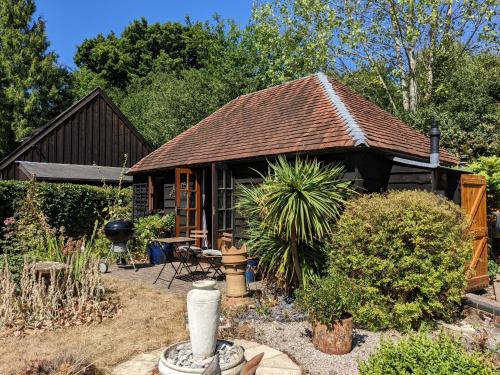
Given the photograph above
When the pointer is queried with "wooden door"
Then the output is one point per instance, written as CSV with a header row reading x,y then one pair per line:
x,y
187,201
473,188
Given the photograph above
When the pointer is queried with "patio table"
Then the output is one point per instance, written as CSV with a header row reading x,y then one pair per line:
x,y
184,256
214,260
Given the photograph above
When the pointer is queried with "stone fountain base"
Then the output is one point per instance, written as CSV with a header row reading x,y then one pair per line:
x,y
178,359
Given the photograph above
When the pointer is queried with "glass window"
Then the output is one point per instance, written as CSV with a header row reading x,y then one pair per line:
x,y
224,200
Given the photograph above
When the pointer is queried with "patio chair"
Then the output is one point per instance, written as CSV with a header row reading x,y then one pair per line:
x,y
197,234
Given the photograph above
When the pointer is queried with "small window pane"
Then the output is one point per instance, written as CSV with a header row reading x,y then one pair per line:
x,y
229,219
229,180
183,197
220,198
192,180
220,178
220,219
183,181
192,217
192,200
182,215
229,199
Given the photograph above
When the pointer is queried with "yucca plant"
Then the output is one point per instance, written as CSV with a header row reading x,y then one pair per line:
x,y
290,212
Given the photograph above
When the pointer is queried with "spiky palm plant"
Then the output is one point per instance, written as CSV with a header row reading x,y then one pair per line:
x,y
290,212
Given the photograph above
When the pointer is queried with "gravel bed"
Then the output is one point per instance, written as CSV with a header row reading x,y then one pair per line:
x,y
294,339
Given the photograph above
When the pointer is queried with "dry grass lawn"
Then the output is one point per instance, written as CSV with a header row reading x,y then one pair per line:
x,y
148,320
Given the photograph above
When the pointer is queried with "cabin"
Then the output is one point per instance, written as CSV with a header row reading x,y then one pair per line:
x,y
88,143
196,175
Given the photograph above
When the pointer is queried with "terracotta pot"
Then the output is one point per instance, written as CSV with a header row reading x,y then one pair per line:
x,y
336,339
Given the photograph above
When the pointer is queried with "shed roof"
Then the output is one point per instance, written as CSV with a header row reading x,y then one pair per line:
x,y
71,172
41,132
308,114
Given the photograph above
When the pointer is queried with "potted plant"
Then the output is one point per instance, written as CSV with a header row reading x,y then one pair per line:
x,y
329,303
148,228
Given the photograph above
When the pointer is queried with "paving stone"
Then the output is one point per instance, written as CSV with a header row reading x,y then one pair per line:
x,y
273,363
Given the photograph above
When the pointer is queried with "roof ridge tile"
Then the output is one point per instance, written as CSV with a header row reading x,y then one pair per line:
x,y
353,127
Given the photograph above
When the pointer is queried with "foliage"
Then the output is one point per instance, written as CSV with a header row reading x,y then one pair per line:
x,y
465,102
74,207
331,298
295,207
65,300
407,250
408,39
489,167
292,38
420,354
167,101
493,269
33,87
152,226
142,47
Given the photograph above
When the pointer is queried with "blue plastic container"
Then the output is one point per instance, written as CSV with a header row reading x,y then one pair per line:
x,y
156,255
251,270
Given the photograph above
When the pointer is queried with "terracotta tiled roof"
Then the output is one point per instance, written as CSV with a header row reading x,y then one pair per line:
x,y
307,114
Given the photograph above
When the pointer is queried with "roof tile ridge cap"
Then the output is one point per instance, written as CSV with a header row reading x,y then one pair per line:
x,y
353,128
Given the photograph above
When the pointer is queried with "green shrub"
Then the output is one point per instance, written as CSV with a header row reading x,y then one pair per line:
x,y
407,250
489,167
420,354
152,226
329,299
74,207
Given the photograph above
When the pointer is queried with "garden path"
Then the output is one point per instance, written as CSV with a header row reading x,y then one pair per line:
x,y
147,274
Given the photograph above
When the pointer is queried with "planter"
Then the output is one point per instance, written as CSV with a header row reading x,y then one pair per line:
x,y
156,254
336,339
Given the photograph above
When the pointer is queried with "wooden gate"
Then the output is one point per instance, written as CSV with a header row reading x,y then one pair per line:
x,y
473,188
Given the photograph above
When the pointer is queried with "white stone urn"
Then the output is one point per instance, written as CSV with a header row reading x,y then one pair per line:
x,y
203,305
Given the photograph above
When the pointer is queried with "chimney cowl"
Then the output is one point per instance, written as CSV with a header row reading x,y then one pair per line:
x,y
435,135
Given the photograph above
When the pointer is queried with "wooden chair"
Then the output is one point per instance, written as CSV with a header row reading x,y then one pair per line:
x,y
197,234
226,239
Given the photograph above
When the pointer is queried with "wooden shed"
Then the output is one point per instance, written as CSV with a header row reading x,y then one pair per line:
x,y
196,174
86,143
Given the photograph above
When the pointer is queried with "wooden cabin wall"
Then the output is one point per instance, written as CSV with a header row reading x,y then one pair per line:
x,y
96,134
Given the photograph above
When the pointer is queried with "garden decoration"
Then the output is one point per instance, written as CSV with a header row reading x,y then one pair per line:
x,y
118,232
234,261
196,355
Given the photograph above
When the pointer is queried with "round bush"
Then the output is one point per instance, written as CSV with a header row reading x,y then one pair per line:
x,y
420,354
407,250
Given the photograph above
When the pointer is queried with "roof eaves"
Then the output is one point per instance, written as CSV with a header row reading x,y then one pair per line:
x,y
353,128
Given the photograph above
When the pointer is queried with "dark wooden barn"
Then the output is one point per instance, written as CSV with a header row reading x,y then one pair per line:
x,y
87,143
197,174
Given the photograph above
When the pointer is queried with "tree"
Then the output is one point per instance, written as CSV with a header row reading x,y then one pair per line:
x,y
292,38
144,47
295,207
167,101
406,36
33,87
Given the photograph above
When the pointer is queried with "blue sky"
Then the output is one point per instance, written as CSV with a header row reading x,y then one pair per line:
x,y
70,22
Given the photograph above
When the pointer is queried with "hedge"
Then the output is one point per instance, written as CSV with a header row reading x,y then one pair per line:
x,y
74,207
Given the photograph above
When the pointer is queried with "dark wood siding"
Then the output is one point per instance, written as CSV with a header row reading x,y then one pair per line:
x,y
95,134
